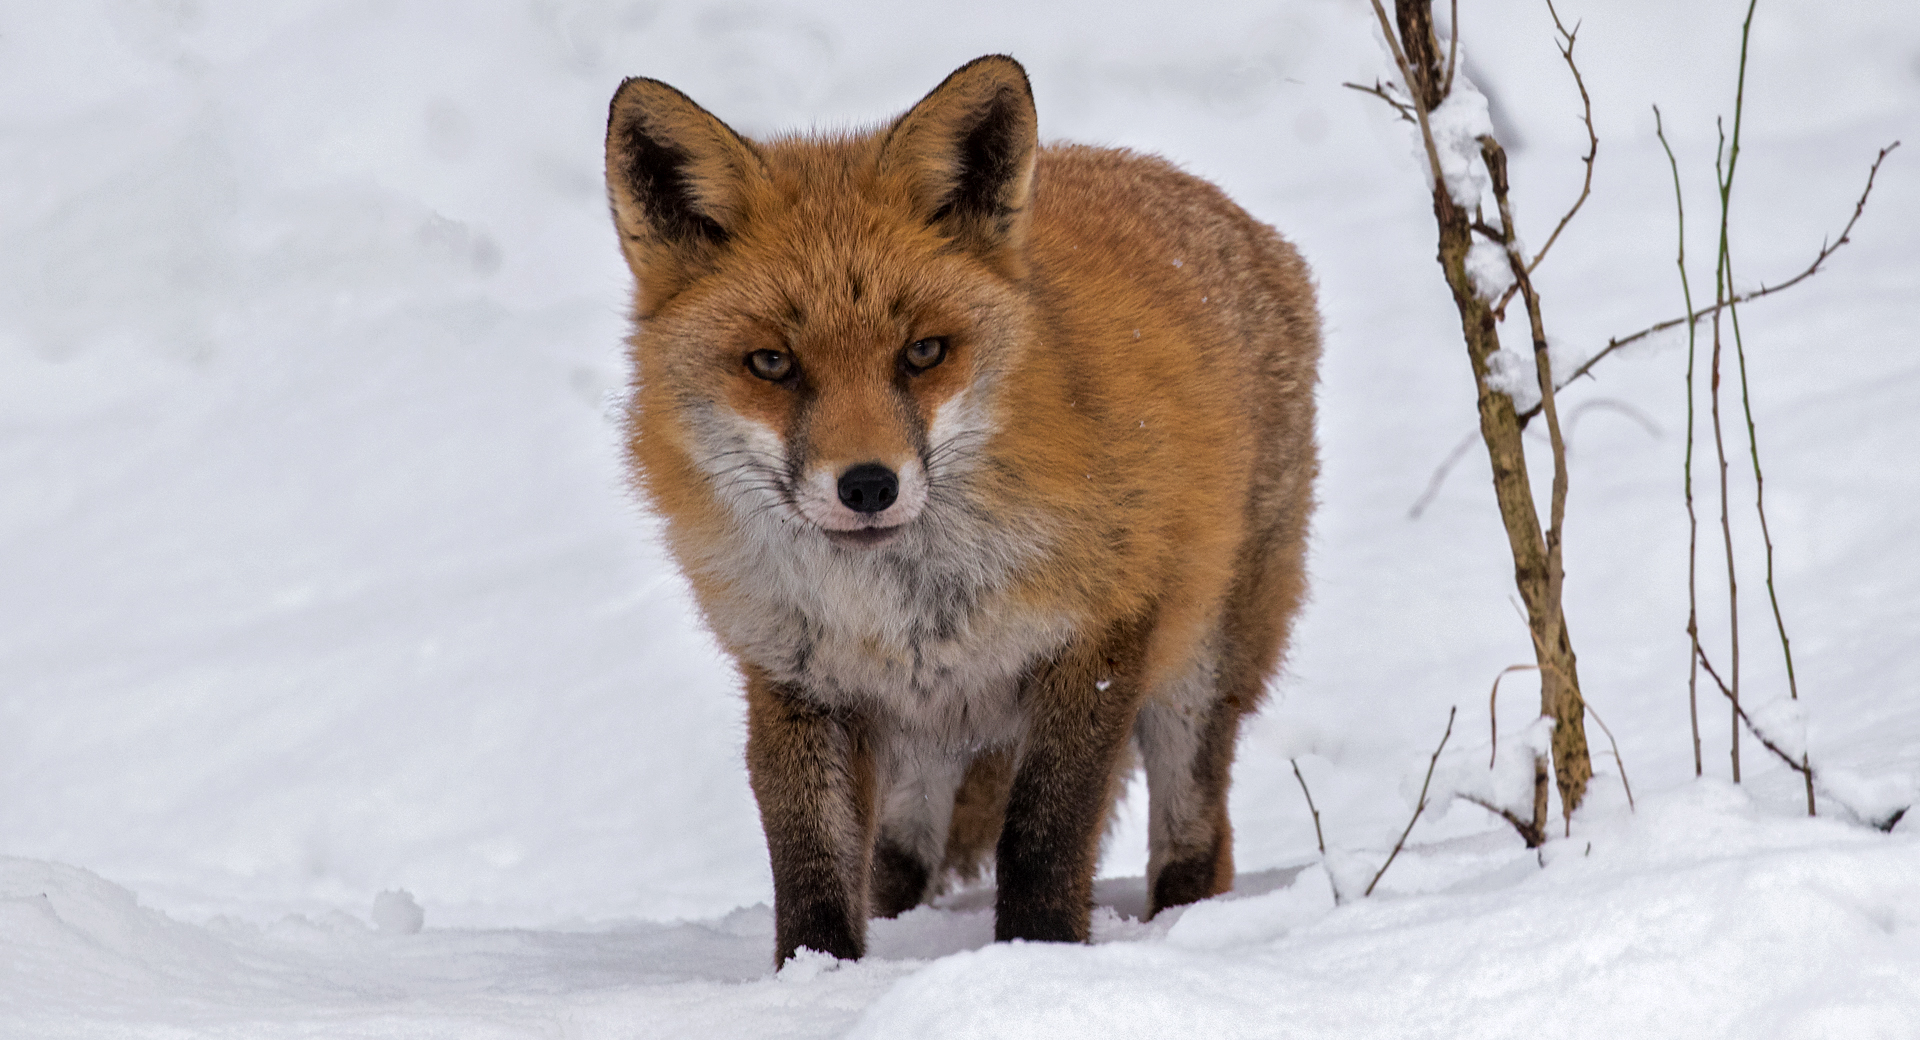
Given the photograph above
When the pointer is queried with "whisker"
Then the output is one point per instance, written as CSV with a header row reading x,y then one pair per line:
x,y
754,479
769,459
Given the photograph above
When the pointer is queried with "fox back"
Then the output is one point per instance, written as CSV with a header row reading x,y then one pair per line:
x,y
985,460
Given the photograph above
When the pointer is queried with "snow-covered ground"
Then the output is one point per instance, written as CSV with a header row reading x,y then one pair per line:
x,y
319,581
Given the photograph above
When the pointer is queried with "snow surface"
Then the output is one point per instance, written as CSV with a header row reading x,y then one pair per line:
x,y
344,692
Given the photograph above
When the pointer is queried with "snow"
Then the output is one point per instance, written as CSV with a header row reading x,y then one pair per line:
x,y
1783,722
1489,268
344,691
1639,922
1514,372
395,911
1498,775
1799,906
1457,125
1879,800
1511,370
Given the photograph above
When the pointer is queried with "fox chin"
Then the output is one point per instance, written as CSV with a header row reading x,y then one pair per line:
x,y
990,465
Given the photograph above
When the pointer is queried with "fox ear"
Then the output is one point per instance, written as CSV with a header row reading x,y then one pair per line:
x,y
967,152
678,180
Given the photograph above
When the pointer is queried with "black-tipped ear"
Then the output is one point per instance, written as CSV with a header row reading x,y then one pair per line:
x,y
968,150
678,179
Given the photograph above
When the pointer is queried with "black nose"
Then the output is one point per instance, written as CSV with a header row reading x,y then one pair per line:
x,y
868,488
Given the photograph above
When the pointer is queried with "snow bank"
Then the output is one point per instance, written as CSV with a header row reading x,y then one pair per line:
x,y
1701,916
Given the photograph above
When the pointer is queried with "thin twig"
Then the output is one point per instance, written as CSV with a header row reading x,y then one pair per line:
x,y
1693,520
1802,766
1617,760
1318,837
1615,405
1493,700
1440,474
1593,149
1760,507
1530,831
1549,666
1453,45
1419,106
1418,808
1723,288
1380,91
1713,673
1445,468
1827,249
1753,435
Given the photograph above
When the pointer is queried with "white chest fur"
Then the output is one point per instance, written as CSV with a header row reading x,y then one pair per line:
x,y
923,631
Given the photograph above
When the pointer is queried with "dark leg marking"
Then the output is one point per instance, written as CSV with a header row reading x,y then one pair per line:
x,y
813,776
899,880
1063,786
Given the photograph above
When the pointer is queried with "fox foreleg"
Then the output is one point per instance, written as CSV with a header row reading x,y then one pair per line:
x,y
812,773
1080,711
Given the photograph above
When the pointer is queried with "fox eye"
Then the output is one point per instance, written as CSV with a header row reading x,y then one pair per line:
x,y
771,365
923,354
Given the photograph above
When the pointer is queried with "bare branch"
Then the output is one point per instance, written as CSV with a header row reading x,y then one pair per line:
x,y
1802,766
1445,468
1617,760
1568,38
1440,475
1618,407
1489,232
1416,52
1753,435
1493,700
1827,249
1693,518
1317,835
1533,832
1562,700
1453,45
1380,91
1711,674
1419,807
1419,109
1530,831
1723,288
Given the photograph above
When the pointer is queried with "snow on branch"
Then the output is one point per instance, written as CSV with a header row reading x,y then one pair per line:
x,y
1781,728
1511,785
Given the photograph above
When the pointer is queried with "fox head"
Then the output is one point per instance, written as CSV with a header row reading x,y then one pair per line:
x,y
821,321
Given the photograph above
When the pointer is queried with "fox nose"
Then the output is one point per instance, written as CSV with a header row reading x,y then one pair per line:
x,y
868,488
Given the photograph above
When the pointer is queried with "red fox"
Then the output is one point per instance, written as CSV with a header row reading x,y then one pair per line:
x,y
985,460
